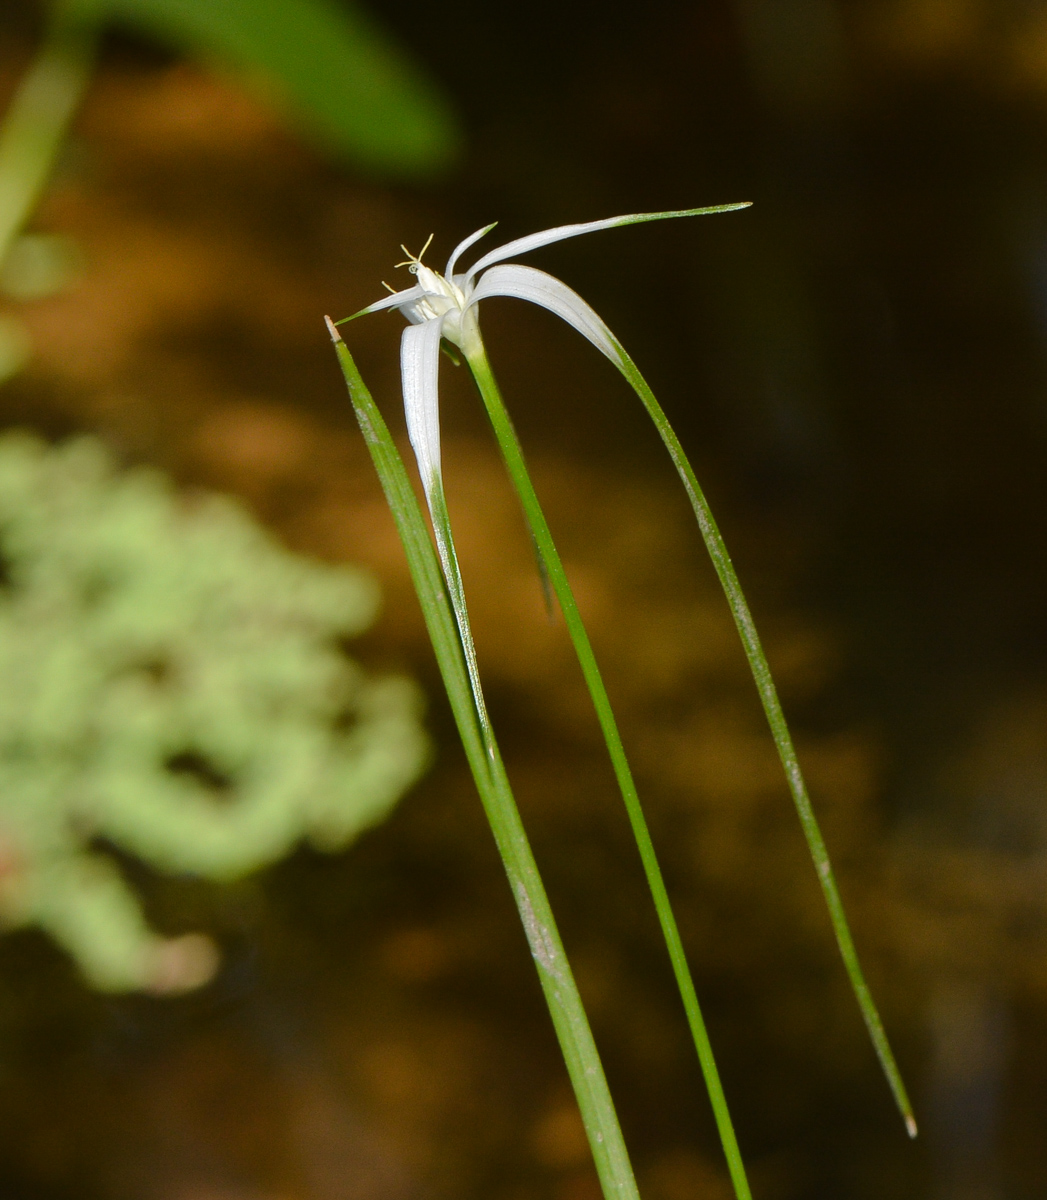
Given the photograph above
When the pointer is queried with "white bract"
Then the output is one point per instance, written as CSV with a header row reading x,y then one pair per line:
x,y
445,306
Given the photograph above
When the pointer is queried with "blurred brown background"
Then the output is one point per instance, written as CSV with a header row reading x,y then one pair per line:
x,y
858,365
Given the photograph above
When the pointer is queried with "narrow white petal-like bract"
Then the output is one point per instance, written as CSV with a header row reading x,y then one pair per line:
x,y
547,236
407,296
420,369
528,283
464,245
445,306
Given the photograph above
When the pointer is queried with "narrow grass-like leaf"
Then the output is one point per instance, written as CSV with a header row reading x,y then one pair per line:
x,y
537,287
554,972
550,561
449,306
772,707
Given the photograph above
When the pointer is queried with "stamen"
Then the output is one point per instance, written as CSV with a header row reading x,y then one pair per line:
x,y
414,261
388,288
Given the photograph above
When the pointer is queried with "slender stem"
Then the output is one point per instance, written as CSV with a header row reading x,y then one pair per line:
x,y
772,707
551,562
444,626
37,120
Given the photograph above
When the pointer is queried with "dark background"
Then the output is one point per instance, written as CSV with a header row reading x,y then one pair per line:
x,y
857,364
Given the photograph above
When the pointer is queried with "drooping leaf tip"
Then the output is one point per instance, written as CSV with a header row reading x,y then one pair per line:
x,y
722,208
710,209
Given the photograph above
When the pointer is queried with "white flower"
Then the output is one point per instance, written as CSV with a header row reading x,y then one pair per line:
x,y
445,306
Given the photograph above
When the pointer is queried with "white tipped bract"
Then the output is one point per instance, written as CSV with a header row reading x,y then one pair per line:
x,y
445,307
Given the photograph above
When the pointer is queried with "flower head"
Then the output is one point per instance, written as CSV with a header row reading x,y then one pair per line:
x,y
444,306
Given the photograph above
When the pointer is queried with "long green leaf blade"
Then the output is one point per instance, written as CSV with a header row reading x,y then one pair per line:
x,y
561,993
550,560
772,707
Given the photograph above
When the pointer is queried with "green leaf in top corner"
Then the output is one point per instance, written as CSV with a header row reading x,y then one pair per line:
x,y
345,81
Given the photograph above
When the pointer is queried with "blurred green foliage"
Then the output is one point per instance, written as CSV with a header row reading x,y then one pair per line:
x,y
325,61
330,68
174,684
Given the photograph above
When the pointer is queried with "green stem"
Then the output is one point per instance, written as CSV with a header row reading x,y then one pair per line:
x,y
445,626
37,120
550,560
772,707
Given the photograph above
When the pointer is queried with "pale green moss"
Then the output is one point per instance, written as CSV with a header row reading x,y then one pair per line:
x,y
171,680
